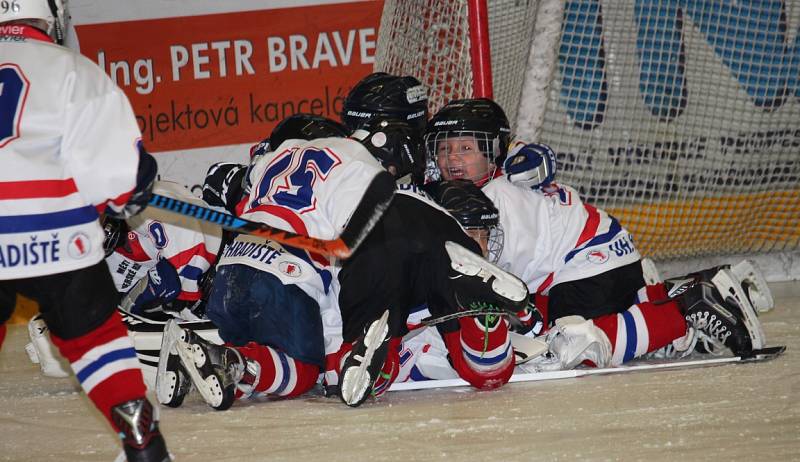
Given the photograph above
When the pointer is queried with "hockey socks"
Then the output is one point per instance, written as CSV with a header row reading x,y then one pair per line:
x,y
644,327
481,351
277,373
105,364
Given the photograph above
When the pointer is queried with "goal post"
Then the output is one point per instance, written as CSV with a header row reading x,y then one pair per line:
x,y
682,119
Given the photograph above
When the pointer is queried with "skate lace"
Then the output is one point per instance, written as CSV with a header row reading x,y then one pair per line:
x,y
711,330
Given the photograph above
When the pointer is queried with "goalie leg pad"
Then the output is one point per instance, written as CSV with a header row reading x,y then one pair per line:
x,y
507,290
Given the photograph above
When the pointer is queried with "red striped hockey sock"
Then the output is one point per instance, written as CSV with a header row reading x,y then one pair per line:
x,y
643,328
105,364
280,374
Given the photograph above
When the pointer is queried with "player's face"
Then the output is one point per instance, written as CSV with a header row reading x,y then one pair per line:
x,y
461,157
481,236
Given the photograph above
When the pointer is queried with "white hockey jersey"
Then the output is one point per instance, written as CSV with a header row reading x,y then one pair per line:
x,y
552,237
189,245
306,187
67,151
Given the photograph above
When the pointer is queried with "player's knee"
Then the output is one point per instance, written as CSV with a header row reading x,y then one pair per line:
x,y
87,302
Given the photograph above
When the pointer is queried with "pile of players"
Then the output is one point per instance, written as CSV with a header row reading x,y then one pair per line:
x,y
478,235
456,222
464,189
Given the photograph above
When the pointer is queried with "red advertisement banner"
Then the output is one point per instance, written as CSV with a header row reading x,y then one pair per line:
x,y
223,79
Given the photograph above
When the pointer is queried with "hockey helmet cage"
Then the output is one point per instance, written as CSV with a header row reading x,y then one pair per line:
x,y
397,145
481,117
53,12
301,127
385,96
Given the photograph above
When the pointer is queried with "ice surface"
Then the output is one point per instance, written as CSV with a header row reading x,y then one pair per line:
x,y
735,412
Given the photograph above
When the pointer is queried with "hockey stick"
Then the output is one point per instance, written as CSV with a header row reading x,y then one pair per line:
x,y
763,354
373,203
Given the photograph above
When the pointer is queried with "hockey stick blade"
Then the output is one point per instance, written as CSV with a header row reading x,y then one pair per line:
x,y
335,247
763,354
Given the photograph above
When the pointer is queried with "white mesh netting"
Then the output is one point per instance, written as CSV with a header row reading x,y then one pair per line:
x,y
681,118
430,40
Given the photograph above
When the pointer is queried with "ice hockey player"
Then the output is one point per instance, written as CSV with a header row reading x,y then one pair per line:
x,y
68,140
580,262
159,265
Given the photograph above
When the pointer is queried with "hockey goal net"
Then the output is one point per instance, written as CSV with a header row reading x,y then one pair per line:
x,y
681,118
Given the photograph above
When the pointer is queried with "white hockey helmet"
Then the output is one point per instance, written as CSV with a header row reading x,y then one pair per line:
x,y
53,12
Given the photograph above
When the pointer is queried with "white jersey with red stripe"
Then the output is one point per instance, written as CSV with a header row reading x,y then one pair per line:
x,y
551,236
191,247
68,150
306,187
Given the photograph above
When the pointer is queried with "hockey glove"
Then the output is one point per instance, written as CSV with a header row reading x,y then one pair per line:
x,y
224,185
160,286
531,166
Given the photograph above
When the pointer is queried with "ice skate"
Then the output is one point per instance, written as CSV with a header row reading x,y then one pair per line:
x,y
722,316
474,275
744,278
137,421
214,370
172,379
363,365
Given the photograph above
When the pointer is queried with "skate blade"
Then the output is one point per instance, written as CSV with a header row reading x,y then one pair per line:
x,y
168,340
728,286
761,297
356,382
209,388
504,284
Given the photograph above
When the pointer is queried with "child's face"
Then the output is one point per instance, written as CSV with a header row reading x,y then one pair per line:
x,y
461,157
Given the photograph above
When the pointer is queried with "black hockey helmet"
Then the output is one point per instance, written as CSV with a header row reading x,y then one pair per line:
x,y
116,233
396,144
481,117
303,127
465,201
381,95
